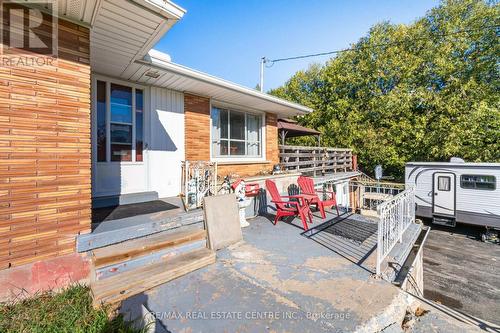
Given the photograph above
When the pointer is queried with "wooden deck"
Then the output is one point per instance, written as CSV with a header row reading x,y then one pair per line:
x,y
315,161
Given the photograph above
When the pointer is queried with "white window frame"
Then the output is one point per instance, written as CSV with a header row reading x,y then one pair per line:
x,y
108,81
239,158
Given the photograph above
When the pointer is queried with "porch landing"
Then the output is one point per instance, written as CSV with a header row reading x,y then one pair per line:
x,y
126,222
115,217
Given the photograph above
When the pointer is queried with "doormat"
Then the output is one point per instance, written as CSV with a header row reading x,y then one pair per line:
x,y
123,211
354,230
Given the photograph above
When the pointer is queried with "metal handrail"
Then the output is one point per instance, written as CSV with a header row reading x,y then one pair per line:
x,y
395,215
368,195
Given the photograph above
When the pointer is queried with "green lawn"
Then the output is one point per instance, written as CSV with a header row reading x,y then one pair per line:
x,y
67,311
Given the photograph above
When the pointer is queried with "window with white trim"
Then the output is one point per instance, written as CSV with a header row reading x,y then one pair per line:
x,y
236,134
120,118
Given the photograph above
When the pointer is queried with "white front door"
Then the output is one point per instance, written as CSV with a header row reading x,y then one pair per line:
x,y
443,194
119,156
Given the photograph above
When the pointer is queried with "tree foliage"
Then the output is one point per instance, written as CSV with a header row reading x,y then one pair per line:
x,y
420,92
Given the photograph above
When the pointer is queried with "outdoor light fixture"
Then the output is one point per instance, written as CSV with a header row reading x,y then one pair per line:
x,y
152,74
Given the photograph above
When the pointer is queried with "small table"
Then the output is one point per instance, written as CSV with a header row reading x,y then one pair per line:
x,y
308,197
307,200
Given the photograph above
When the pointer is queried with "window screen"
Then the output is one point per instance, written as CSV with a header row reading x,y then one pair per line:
x,y
101,121
139,125
120,123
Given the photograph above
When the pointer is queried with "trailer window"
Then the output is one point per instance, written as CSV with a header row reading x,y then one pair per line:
x,y
443,183
478,182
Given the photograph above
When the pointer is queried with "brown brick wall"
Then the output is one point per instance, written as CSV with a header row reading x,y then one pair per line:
x,y
197,129
45,151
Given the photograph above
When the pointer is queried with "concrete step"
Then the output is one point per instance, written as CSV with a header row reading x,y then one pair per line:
x,y
127,256
143,246
117,288
121,230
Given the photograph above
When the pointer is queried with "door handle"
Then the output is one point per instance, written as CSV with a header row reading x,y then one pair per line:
x,y
435,193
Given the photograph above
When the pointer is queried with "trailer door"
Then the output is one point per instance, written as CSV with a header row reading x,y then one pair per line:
x,y
443,203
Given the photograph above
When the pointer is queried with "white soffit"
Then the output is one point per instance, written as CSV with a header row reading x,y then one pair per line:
x,y
177,77
121,31
80,11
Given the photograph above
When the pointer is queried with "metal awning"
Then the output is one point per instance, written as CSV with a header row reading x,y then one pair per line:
x,y
288,128
293,129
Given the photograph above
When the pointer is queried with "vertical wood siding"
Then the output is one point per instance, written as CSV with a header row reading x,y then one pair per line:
x,y
45,194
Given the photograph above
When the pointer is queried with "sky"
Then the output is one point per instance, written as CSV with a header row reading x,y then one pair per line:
x,y
227,38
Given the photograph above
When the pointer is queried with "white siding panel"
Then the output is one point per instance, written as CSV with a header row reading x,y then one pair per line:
x,y
166,143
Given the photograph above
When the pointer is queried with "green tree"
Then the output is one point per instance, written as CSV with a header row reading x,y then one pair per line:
x,y
420,92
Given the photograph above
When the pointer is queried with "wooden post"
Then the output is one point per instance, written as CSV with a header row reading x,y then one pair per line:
x,y
314,162
297,159
323,158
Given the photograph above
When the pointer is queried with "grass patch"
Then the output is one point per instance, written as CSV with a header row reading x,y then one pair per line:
x,y
67,311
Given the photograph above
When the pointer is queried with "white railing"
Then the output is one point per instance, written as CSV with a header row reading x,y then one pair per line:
x,y
368,195
199,179
395,216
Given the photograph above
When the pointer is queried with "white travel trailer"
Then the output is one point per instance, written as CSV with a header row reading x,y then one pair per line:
x,y
451,192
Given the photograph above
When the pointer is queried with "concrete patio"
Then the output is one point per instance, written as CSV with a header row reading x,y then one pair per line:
x,y
278,280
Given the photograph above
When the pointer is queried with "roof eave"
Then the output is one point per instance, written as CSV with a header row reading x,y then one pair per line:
x,y
153,59
164,7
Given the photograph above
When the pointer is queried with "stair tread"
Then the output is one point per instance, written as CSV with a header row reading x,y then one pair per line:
x,y
136,247
129,283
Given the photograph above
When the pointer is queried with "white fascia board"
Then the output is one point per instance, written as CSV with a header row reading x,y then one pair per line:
x,y
157,59
163,7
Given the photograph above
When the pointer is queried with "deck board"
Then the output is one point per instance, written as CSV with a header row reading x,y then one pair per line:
x,y
122,286
138,247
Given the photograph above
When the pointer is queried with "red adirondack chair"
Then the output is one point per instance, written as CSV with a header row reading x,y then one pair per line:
x,y
288,208
306,185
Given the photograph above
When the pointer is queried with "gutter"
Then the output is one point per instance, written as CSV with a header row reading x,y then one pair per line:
x,y
166,8
152,60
